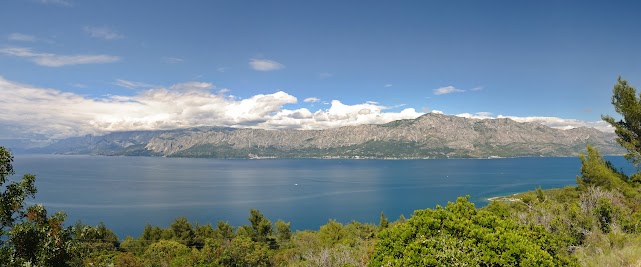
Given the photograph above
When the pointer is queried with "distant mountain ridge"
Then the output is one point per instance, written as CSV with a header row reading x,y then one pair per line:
x,y
428,136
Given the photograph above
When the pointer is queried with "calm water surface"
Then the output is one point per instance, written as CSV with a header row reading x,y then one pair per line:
x,y
128,192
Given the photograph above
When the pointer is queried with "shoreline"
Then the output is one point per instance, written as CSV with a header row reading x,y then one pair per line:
x,y
506,198
255,157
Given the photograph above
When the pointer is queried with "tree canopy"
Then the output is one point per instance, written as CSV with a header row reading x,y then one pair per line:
x,y
628,129
28,235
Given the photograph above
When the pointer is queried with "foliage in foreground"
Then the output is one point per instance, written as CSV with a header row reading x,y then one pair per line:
x,y
460,235
27,234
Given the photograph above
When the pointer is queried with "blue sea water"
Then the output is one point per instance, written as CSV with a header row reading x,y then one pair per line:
x,y
128,192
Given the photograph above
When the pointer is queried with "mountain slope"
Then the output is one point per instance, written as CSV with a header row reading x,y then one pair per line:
x,y
431,135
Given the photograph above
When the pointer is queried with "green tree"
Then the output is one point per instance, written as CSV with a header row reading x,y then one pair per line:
x,y
540,195
182,231
14,194
261,227
628,130
383,222
202,233
283,233
127,259
29,236
94,242
332,233
605,213
163,252
132,245
42,241
150,234
244,252
99,236
596,171
224,230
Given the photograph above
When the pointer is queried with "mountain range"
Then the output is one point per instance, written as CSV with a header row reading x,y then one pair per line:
x,y
428,136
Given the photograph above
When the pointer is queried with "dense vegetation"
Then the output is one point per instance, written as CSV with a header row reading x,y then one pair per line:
x,y
596,223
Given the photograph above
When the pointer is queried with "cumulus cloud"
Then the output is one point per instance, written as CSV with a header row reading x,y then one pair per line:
x,y
58,114
54,60
447,90
21,37
311,100
30,110
265,65
337,115
104,33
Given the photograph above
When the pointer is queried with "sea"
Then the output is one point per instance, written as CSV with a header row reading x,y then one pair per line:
x,y
126,193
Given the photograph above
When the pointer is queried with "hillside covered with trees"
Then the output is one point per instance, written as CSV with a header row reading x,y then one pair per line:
x,y
595,223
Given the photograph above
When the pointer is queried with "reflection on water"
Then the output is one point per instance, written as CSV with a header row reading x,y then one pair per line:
x,y
127,192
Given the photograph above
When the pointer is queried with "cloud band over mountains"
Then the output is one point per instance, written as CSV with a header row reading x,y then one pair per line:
x,y
27,110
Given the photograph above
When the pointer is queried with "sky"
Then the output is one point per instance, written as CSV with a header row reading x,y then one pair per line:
x,y
71,67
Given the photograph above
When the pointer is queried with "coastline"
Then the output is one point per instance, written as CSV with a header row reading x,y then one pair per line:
x,y
256,157
507,198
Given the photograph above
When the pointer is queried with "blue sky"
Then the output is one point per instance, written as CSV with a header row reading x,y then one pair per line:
x,y
123,65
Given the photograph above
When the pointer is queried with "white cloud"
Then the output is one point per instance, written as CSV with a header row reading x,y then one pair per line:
x,y
132,84
104,33
484,113
388,85
265,65
57,114
54,60
22,37
478,88
31,110
477,115
337,115
311,100
56,2
437,112
447,90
